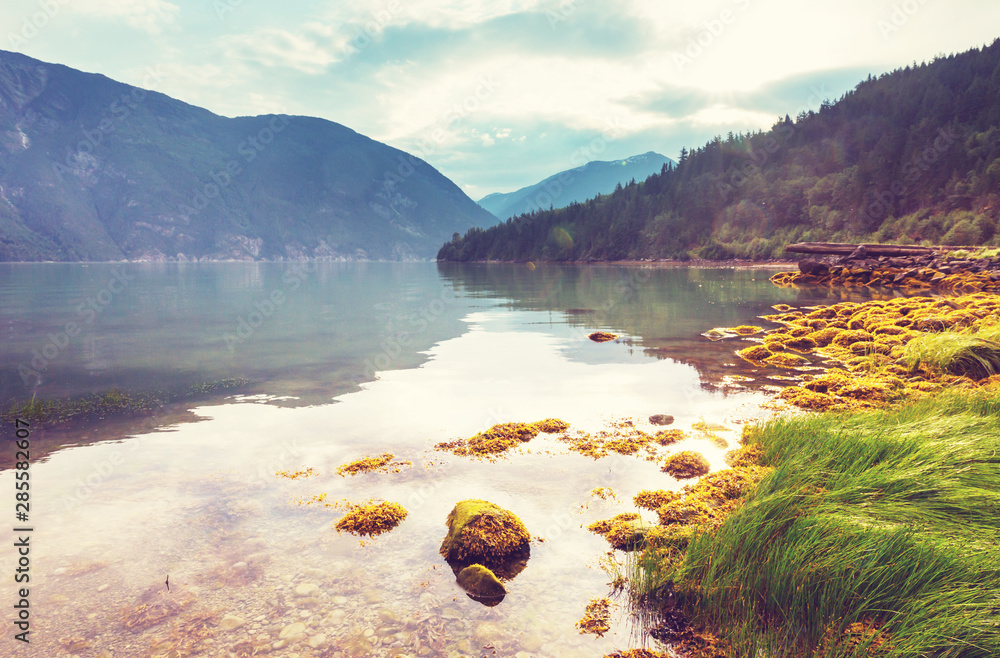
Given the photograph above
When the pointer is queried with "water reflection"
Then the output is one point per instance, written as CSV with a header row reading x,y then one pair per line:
x,y
201,502
412,355
312,330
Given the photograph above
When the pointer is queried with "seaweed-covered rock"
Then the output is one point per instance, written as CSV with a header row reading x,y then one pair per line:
x,y
372,518
481,584
478,531
625,532
661,419
629,535
686,464
551,425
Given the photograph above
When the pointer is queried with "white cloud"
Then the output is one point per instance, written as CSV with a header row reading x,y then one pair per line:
x,y
734,117
147,15
402,88
278,48
450,14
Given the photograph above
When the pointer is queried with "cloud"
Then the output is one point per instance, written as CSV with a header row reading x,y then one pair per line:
x,y
147,15
501,93
444,14
278,48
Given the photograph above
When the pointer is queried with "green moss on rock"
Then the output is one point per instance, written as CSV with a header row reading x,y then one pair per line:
x,y
480,530
481,583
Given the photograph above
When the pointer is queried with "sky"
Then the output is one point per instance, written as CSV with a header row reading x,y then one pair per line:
x,y
499,94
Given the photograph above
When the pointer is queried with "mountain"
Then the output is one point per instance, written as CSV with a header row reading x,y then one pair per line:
x,y
93,170
578,184
910,156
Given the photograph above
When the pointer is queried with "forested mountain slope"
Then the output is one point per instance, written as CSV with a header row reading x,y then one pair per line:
x,y
910,156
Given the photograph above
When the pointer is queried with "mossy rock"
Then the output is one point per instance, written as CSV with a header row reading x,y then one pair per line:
x,y
754,353
685,465
625,532
479,531
481,584
629,535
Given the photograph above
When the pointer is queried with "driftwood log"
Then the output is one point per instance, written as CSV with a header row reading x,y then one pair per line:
x,y
846,249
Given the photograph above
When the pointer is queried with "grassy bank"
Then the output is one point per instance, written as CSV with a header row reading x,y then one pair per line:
x,y
875,534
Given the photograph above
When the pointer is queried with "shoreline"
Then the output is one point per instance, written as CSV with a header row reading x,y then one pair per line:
x,y
709,545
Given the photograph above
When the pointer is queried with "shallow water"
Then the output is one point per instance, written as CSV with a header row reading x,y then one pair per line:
x,y
361,359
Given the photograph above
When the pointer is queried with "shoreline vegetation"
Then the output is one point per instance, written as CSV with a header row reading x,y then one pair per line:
x,y
869,527
86,410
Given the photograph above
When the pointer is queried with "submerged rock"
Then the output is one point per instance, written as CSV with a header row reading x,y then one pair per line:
x,y
478,530
481,584
602,336
661,419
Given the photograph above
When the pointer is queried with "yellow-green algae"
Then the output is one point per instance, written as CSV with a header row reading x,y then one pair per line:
x,y
623,438
746,330
295,475
653,500
379,463
685,465
551,426
878,353
596,619
604,493
910,279
481,530
625,532
372,518
501,438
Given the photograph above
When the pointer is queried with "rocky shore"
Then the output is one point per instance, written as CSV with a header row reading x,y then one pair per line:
x,y
937,270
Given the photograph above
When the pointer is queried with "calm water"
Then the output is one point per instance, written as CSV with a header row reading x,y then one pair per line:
x,y
347,360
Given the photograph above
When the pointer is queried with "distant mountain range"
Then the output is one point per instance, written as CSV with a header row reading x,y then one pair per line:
x,y
911,156
95,170
578,184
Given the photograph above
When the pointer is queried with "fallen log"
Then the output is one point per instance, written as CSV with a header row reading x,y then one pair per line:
x,y
846,249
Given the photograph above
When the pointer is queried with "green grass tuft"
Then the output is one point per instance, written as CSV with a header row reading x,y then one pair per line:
x,y
887,521
974,354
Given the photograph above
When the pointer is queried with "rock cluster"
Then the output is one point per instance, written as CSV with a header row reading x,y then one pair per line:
x,y
931,270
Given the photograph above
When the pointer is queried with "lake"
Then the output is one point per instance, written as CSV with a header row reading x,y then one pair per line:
x,y
344,361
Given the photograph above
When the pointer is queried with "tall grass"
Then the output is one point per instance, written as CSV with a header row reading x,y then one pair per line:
x,y
887,520
976,355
